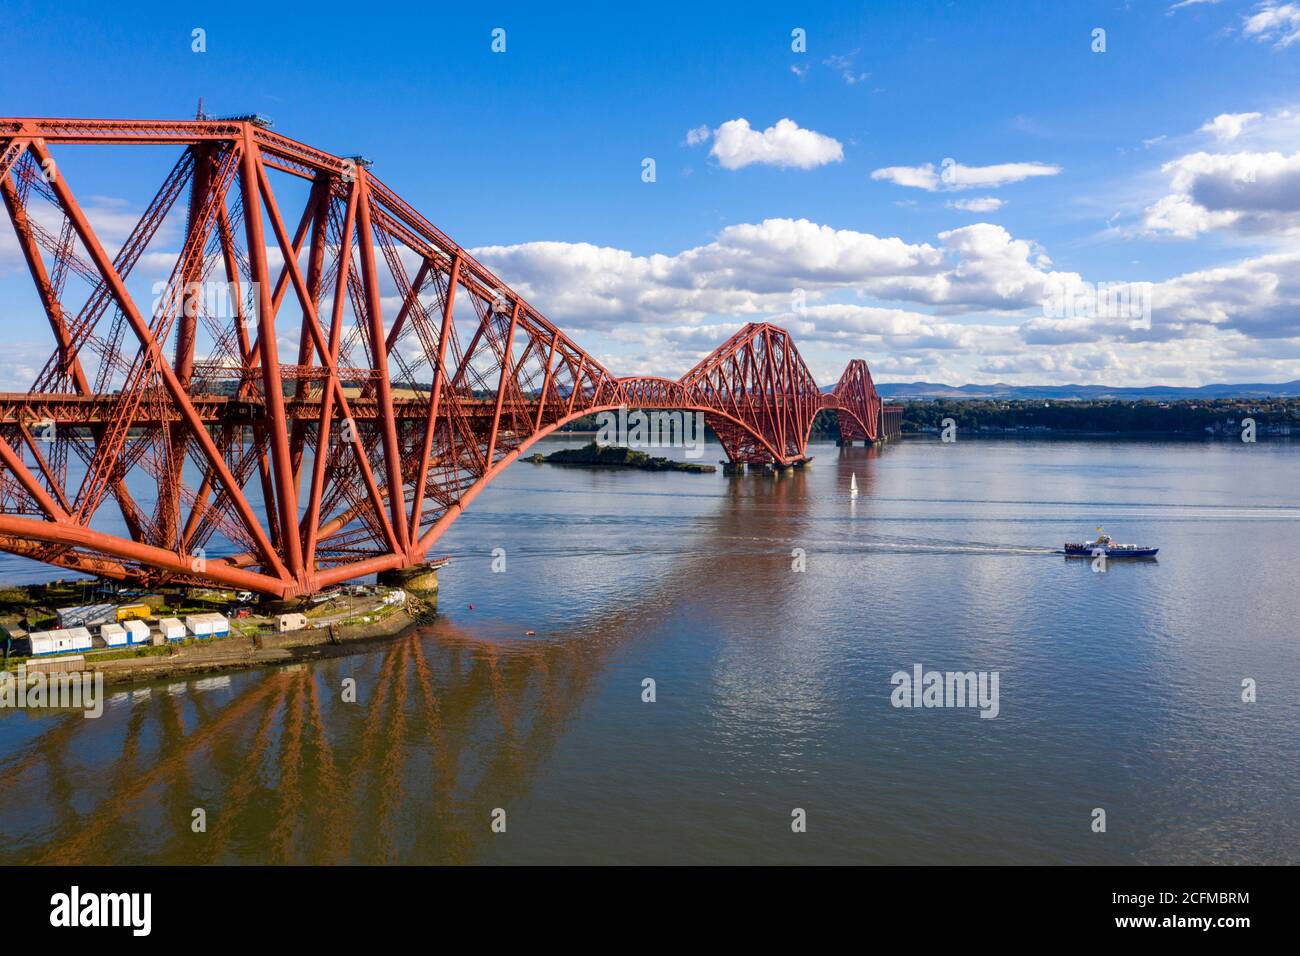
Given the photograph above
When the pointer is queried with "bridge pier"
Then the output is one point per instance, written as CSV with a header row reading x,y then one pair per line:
x,y
420,579
733,468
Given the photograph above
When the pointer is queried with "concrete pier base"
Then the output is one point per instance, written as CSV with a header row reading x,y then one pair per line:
x,y
761,468
728,468
273,606
421,579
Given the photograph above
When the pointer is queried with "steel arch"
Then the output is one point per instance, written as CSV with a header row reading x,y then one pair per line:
x,y
179,440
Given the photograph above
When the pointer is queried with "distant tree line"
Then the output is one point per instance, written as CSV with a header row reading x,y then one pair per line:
x,y
1188,417
1150,417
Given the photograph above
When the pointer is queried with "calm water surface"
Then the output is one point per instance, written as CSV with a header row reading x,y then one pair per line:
x,y
1119,690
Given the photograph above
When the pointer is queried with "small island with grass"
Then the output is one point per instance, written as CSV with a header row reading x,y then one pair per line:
x,y
594,455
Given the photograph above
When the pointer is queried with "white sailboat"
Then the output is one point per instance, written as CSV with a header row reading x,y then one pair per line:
x,y
853,485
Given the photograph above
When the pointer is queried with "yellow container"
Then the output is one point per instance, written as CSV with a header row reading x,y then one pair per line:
x,y
133,612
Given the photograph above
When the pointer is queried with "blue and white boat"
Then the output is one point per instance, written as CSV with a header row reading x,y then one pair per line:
x,y
1106,545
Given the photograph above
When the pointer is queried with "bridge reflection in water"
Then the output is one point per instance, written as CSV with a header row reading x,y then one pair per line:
x,y
448,726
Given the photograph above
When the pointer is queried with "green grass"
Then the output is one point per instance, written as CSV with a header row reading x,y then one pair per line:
x,y
149,650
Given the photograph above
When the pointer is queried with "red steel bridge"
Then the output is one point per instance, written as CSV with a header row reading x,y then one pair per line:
x,y
354,383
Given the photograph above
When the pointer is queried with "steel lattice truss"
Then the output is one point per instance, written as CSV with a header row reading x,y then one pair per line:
x,y
357,382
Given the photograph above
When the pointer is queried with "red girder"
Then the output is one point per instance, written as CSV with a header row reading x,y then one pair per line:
x,y
352,456
858,403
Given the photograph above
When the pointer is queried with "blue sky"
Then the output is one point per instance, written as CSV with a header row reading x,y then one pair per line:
x,y
1075,167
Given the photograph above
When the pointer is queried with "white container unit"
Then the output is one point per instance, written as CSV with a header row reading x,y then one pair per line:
x,y
200,625
210,624
60,641
137,632
43,642
113,635
172,629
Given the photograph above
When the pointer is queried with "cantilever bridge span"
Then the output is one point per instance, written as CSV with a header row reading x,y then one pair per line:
x,y
354,382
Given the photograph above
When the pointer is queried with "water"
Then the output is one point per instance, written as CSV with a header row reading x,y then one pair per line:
x,y
1119,690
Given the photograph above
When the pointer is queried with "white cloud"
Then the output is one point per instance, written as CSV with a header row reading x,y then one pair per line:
x,y
699,134
748,269
785,144
954,176
918,177
1278,23
969,307
1249,192
754,267
1179,216
1228,126
844,66
1189,3
987,268
979,204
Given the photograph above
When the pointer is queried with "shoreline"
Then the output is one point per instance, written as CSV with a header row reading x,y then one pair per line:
x,y
239,653
238,650
1100,436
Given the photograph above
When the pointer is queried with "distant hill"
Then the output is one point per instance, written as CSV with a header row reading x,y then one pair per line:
x,y
905,391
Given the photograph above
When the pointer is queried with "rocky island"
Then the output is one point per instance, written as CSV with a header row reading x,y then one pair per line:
x,y
594,455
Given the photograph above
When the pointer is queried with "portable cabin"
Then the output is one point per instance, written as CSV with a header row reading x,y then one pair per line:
x,y
172,629
199,625
59,641
80,638
292,622
113,635
130,612
210,624
43,642
137,632
86,615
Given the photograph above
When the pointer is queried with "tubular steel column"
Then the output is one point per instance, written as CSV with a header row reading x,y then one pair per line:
x,y
277,421
379,354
